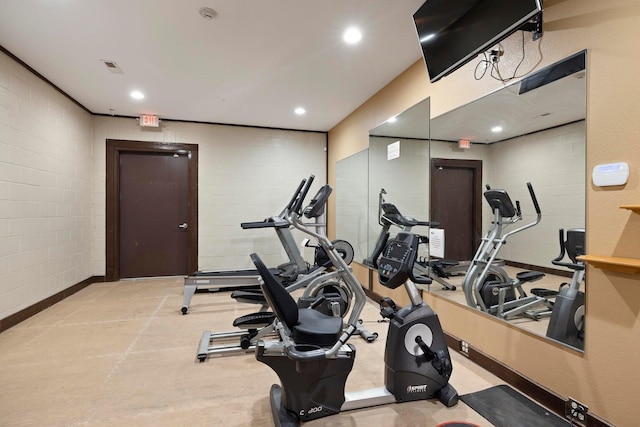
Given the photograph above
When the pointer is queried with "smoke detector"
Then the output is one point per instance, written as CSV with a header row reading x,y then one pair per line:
x,y
208,13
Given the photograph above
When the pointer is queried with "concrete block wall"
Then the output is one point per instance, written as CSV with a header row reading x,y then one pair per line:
x,y
45,189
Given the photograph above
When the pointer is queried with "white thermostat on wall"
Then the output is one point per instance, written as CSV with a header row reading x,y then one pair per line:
x,y
610,174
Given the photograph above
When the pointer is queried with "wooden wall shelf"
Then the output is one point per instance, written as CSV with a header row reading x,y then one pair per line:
x,y
634,208
612,263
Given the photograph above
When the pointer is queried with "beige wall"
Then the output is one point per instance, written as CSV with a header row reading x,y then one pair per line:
x,y
606,376
45,182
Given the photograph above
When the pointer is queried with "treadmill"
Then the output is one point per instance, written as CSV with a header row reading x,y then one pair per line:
x,y
233,279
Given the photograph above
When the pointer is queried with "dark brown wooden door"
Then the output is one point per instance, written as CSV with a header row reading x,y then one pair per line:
x,y
153,214
456,192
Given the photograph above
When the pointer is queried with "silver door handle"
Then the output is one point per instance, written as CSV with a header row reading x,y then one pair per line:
x,y
184,226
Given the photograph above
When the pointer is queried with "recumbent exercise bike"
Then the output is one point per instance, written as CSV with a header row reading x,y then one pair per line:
x,y
313,360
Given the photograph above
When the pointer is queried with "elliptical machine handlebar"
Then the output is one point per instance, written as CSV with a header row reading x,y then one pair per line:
x,y
297,207
294,198
380,203
336,260
534,199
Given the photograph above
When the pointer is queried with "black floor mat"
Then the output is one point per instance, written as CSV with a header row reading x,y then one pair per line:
x,y
503,406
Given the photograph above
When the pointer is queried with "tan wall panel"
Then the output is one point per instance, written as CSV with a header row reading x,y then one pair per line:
x,y
363,274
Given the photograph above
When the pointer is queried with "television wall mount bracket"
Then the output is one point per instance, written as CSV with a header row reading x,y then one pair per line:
x,y
534,26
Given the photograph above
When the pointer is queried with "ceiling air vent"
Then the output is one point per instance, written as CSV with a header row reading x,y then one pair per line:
x,y
112,66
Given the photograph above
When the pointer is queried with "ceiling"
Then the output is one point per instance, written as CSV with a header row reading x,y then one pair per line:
x,y
252,64
553,104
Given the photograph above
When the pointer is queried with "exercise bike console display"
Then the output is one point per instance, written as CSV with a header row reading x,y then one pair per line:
x,y
394,266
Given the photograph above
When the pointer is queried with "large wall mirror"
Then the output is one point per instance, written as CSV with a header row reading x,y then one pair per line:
x,y
532,131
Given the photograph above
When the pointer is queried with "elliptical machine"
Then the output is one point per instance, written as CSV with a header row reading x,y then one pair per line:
x,y
567,317
297,272
324,291
312,357
486,284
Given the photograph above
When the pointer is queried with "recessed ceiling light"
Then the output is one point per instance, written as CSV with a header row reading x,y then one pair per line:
x,y
352,35
136,94
300,111
496,129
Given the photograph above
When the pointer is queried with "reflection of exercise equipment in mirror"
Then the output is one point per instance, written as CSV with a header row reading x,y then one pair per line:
x,y
388,215
487,285
324,291
567,318
313,360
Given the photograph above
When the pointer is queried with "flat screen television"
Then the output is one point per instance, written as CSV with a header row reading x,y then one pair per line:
x,y
453,32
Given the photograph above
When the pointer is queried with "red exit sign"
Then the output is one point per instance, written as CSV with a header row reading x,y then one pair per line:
x,y
149,120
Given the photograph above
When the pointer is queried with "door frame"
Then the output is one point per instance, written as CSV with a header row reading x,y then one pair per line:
x,y
113,149
476,168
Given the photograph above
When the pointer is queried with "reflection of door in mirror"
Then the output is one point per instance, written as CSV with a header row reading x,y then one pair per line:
x,y
531,131
456,200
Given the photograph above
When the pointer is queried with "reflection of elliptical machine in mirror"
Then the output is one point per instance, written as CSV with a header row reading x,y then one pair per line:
x,y
487,285
437,269
567,318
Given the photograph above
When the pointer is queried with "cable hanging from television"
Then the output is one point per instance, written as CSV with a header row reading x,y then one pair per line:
x,y
451,37
491,62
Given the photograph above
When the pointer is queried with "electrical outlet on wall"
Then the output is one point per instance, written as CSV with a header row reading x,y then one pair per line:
x,y
576,411
464,348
